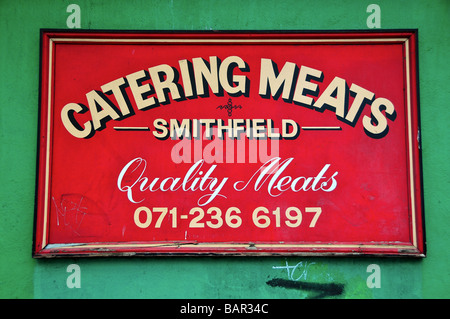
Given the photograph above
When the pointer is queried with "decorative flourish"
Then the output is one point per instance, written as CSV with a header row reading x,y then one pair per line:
x,y
229,107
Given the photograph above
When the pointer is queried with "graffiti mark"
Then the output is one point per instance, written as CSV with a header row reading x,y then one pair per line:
x,y
320,290
300,267
300,272
70,211
80,216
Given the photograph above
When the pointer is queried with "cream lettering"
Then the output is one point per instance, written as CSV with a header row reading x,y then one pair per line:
x,y
273,172
132,179
161,84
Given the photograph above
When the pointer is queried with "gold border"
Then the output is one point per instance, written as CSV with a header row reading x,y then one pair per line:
x,y
404,40
230,40
410,143
225,245
47,151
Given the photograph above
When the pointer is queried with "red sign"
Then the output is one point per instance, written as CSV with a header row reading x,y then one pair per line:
x,y
229,143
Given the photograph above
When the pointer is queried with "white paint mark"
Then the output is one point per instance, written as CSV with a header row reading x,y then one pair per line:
x,y
301,266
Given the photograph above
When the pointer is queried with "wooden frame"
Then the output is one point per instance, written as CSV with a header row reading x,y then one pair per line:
x,y
74,80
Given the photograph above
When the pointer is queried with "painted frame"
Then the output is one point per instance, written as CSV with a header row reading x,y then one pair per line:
x,y
362,85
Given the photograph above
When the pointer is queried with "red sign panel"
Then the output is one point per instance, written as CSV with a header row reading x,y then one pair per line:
x,y
229,143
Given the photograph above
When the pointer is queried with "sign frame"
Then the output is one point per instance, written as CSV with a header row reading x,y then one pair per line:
x,y
44,247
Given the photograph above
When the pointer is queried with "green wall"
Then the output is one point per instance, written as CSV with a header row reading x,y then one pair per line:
x,y
222,277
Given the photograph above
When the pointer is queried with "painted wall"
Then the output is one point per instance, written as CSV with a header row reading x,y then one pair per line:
x,y
207,277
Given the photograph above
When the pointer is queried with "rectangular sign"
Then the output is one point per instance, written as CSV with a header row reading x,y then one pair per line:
x,y
237,143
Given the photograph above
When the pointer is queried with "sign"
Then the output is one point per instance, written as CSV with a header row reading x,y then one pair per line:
x,y
229,143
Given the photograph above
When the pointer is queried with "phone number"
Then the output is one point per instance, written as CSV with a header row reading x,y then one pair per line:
x,y
215,218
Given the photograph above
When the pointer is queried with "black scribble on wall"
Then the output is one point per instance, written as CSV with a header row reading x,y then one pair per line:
x,y
321,290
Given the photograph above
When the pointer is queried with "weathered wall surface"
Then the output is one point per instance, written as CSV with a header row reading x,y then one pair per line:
x,y
223,277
